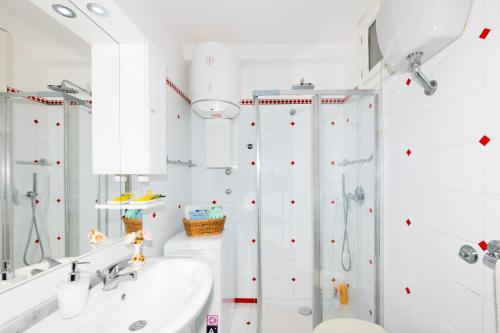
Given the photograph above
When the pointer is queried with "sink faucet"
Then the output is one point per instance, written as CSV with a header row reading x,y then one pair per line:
x,y
6,271
111,276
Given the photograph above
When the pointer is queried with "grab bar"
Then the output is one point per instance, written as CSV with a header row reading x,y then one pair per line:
x,y
41,162
360,161
189,163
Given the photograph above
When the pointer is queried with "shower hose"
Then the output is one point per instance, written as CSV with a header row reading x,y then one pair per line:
x,y
345,256
34,225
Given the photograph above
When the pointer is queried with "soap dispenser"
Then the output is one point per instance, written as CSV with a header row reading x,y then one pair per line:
x,y
72,294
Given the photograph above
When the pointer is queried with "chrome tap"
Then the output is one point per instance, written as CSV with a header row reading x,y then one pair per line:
x,y
111,276
6,271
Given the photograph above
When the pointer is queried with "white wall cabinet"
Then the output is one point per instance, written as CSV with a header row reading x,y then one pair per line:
x,y
142,121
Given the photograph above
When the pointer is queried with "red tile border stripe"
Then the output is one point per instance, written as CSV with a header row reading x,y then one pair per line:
x,y
42,100
245,300
288,101
178,91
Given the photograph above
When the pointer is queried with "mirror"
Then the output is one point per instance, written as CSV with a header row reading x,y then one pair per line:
x,y
49,206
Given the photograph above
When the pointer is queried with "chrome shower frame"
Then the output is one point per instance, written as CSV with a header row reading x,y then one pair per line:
x,y
316,97
6,176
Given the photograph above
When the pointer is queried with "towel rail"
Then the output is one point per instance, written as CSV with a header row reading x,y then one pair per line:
x,y
189,163
346,162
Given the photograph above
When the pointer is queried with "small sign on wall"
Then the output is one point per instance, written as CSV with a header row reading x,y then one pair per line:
x,y
212,323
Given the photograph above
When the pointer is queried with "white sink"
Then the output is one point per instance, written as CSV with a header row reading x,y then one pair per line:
x,y
168,294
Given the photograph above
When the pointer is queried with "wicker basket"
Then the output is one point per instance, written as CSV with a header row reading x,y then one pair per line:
x,y
196,228
132,225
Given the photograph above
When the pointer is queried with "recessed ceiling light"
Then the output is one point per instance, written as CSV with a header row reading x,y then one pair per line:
x,y
97,9
64,11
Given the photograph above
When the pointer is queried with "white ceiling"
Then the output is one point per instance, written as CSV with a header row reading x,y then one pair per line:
x,y
254,21
23,19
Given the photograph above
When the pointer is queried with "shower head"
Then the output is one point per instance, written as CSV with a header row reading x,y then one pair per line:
x,y
303,85
61,88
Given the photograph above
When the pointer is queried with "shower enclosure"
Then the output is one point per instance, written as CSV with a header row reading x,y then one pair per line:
x,y
46,177
318,199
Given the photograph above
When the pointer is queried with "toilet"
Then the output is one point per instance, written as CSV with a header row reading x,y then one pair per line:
x,y
347,325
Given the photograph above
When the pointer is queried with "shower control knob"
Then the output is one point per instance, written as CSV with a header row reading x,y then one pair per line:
x,y
468,254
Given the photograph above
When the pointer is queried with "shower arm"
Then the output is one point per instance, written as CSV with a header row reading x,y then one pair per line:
x,y
415,61
64,82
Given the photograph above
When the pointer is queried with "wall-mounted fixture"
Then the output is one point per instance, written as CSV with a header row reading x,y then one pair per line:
x,y
215,81
410,32
63,10
215,95
97,9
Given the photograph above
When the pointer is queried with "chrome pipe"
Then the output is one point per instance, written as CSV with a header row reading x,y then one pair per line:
x,y
415,61
67,224
259,214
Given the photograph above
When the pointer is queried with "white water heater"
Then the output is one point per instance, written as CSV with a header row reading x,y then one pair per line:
x,y
215,81
405,27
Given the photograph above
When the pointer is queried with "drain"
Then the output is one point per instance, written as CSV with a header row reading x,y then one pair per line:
x,y
137,325
305,311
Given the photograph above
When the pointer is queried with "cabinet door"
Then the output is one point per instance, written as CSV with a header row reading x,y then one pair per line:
x,y
157,113
134,125
106,109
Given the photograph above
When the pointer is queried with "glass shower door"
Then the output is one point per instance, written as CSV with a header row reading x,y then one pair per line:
x,y
318,209
286,214
348,208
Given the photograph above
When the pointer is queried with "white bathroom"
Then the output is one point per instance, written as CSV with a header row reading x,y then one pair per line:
x,y
221,166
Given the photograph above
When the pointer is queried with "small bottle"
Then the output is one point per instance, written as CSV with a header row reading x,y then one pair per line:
x,y
72,294
343,293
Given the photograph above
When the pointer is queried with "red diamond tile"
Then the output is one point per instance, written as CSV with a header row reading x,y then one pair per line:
x,y
332,202
408,152
292,162
35,121
483,245
293,279
37,241
253,202
253,123
332,162
58,237
408,221
154,215
408,291
484,140
333,241
214,202
248,323
485,33
58,162
58,124
292,202
58,200
332,123
408,81
292,123
370,312
293,240
370,210
254,279
253,162
253,240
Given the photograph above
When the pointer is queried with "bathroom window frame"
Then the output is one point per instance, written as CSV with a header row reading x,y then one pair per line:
x,y
368,77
